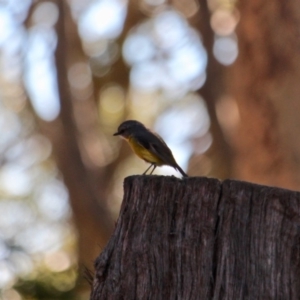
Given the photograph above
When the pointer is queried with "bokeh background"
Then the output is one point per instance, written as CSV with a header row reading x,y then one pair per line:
x,y
217,79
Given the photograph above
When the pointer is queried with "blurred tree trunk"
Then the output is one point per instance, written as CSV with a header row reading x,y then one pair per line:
x,y
199,238
119,74
213,89
265,83
87,193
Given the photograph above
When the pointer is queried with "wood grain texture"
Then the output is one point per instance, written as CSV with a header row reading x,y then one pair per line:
x,y
200,238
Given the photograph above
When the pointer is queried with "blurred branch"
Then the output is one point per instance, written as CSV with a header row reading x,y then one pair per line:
x,y
119,73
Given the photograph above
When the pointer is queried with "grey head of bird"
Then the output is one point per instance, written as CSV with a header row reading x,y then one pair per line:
x,y
127,128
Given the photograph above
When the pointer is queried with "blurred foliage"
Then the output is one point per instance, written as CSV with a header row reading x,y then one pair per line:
x,y
49,286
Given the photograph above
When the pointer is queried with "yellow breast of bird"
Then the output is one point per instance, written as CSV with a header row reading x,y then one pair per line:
x,y
144,153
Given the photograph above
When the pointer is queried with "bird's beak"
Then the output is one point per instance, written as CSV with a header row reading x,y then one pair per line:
x,y
117,133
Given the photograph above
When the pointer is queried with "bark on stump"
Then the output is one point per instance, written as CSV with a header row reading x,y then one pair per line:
x,y
200,238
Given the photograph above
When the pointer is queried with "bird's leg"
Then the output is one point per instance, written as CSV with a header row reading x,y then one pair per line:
x,y
147,169
153,169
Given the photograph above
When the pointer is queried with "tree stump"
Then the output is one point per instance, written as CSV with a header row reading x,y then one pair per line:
x,y
199,238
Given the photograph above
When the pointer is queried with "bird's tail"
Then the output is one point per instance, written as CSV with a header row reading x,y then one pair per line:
x,y
181,171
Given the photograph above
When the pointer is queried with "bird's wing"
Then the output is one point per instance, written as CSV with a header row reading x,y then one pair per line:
x,y
155,144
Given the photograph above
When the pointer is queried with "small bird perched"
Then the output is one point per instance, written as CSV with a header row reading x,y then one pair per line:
x,y
147,145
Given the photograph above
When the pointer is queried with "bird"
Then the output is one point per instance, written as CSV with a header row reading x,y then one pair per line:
x,y
147,145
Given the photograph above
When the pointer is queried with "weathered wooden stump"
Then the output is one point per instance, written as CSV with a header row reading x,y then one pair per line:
x,y
200,238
